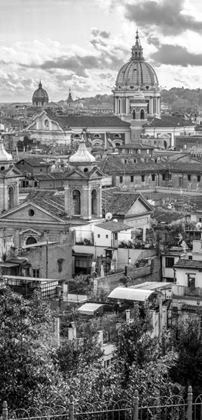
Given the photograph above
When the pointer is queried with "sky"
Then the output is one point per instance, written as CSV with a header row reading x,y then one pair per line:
x,y
81,44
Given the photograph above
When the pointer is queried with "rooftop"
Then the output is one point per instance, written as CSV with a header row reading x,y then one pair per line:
x,y
87,120
194,264
168,121
119,202
114,226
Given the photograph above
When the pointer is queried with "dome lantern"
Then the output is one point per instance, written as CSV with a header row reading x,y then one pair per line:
x,y
137,50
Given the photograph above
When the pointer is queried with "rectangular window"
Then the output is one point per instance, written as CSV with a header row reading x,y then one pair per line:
x,y
164,177
116,236
120,179
191,280
98,235
169,262
153,177
190,257
189,177
131,178
199,178
107,236
143,178
35,272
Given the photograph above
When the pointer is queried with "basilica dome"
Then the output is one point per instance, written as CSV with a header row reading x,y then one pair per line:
x,y
40,96
137,73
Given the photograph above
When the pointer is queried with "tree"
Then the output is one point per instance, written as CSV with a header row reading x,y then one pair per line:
x,y
134,343
187,342
28,374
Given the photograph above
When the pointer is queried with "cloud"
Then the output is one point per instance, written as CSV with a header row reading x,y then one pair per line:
x,y
176,55
167,16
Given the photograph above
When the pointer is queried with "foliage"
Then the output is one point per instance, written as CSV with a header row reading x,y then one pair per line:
x,y
134,342
187,342
81,284
26,348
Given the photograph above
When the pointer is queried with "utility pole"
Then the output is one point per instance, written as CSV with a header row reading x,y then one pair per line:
x,y
46,258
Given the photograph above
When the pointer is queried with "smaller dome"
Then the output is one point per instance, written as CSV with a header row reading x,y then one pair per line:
x,y
40,95
82,155
4,156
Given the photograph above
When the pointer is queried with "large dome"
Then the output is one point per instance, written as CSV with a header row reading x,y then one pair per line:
x,y
137,73
40,96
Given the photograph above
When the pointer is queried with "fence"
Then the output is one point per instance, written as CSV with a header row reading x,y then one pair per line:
x,y
161,408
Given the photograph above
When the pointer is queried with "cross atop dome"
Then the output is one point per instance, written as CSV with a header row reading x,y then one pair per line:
x,y
137,50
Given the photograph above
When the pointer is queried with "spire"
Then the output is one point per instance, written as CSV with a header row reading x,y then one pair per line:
x,y
70,96
137,50
40,85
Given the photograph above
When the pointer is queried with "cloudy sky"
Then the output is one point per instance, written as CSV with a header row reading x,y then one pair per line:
x,y
81,44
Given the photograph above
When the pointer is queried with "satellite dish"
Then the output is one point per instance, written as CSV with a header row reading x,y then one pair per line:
x,y
115,220
198,225
108,216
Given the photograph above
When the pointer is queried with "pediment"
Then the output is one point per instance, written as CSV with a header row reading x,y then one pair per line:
x,y
30,232
30,212
75,174
140,206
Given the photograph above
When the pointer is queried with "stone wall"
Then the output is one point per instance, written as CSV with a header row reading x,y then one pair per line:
x,y
138,275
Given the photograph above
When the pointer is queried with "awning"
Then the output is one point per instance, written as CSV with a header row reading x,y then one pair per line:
x,y
127,293
9,264
90,308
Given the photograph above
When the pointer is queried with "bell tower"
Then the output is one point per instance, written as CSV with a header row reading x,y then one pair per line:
x,y
9,182
138,109
83,186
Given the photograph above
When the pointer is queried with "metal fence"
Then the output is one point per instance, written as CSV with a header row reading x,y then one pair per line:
x,y
162,408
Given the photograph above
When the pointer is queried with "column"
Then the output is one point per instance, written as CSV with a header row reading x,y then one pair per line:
x,y
68,207
144,233
155,106
127,106
151,106
86,202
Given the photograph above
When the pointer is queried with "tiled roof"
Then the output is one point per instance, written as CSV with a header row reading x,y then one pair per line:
x,y
34,161
88,121
50,201
119,203
181,263
114,226
135,146
167,216
192,167
114,165
168,121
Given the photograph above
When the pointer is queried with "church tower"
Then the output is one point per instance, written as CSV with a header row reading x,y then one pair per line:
x,y
138,115
83,186
9,181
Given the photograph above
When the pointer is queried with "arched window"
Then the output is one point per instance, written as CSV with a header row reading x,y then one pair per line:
x,y
97,136
134,114
76,202
117,136
142,114
31,240
94,202
10,198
